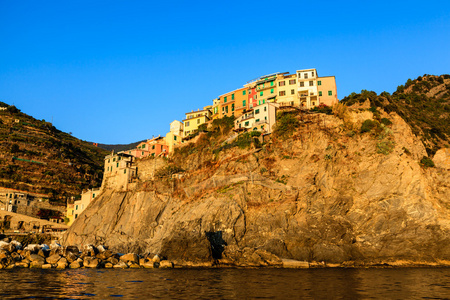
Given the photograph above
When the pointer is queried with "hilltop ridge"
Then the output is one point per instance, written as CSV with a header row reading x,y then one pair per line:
x,y
37,157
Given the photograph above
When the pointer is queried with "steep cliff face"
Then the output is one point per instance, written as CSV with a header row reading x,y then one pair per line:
x,y
326,193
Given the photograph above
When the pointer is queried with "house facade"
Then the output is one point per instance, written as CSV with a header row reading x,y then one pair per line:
x,y
194,119
86,198
260,118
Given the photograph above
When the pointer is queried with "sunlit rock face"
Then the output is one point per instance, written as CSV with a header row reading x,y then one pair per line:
x,y
328,193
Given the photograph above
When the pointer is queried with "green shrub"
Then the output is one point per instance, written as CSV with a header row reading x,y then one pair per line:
x,y
286,125
367,125
385,147
386,121
426,162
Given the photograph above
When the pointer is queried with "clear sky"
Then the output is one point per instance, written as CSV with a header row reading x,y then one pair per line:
x,y
121,71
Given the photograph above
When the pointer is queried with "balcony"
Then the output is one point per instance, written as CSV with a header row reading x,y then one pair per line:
x,y
249,116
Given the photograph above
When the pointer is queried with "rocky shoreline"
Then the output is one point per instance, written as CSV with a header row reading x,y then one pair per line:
x,y
55,256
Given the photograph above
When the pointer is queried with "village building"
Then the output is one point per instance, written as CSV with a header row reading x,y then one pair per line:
x,y
215,109
196,118
260,118
314,90
70,214
158,147
175,135
120,168
86,198
287,90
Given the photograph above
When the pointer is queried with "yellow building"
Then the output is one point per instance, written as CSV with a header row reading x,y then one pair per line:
x,y
70,214
196,118
287,90
175,135
215,109
86,198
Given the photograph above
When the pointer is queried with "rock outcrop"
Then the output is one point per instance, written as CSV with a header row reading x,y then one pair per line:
x,y
326,194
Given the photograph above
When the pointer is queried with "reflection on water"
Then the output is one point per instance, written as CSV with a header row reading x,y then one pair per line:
x,y
408,283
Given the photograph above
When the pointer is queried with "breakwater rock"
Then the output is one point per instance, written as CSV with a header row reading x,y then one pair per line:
x,y
13,255
330,193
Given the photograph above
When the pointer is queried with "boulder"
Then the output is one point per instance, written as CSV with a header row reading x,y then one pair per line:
x,y
75,265
91,262
165,264
22,264
108,265
294,264
148,264
442,158
113,260
71,257
121,265
36,258
133,265
73,249
104,254
130,257
156,258
46,266
53,259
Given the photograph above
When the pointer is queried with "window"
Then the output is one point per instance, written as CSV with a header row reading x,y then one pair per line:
x,y
271,83
243,92
265,108
311,83
256,111
261,93
302,83
312,74
226,109
187,124
292,92
232,97
257,120
306,76
246,123
264,101
281,83
108,160
319,82
292,81
244,103
232,107
142,153
224,99
117,165
330,93
174,137
198,121
314,103
107,169
153,147
114,159
125,171
76,216
282,93
76,207
320,93
271,91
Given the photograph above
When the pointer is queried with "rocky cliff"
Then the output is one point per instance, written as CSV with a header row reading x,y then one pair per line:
x,y
334,190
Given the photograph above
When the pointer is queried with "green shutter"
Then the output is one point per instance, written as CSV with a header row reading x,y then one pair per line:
x,y
271,91
261,93
243,92
330,93
232,97
232,107
244,103
320,93
224,99
319,82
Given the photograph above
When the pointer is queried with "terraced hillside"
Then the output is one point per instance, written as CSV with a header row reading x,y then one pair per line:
x,y
37,157
424,103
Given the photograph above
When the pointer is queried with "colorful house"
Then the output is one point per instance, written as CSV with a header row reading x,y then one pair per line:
x,y
175,135
86,198
196,118
158,146
259,118
314,90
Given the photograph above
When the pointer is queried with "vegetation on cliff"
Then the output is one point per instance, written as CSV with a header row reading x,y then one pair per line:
x,y
424,103
37,157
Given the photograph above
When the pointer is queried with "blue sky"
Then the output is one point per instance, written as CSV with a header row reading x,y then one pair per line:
x,y
121,71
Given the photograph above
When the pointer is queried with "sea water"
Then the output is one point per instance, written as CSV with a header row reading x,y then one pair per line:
x,y
339,283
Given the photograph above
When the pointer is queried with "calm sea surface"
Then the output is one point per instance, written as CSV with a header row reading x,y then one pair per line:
x,y
407,283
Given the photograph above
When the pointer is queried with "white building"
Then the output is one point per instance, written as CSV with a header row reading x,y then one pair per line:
x,y
261,118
